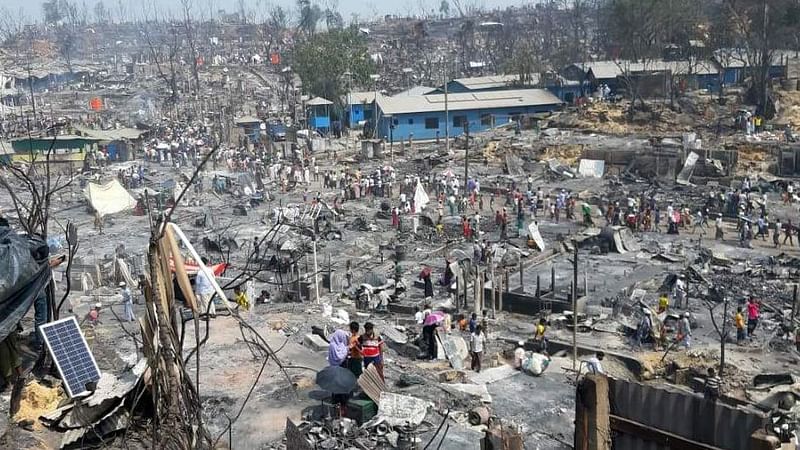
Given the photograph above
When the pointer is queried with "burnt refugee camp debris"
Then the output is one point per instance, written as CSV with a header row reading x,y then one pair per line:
x,y
317,226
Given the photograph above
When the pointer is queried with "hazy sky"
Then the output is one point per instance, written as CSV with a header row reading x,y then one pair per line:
x,y
364,8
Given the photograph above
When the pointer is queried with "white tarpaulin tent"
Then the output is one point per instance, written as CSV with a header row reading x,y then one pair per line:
x,y
533,233
592,168
688,168
109,198
421,198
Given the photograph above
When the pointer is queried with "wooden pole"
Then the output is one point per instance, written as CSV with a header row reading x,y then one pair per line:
x,y
503,286
521,284
494,289
477,288
794,301
316,270
575,306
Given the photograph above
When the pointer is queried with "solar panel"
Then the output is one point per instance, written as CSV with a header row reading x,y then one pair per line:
x,y
74,360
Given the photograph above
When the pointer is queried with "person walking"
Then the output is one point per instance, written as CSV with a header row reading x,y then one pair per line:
x,y
473,323
788,232
738,321
476,344
711,388
204,291
753,314
127,301
539,337
685,331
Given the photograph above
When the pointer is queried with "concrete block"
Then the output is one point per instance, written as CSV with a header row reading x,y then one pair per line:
x,y
315,342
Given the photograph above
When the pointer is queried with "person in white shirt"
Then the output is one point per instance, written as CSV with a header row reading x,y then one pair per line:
x,y
519,355
419,317
593,363
476,343
204,291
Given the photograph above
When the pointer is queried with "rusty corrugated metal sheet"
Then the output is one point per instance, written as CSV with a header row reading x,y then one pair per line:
x,y
682,413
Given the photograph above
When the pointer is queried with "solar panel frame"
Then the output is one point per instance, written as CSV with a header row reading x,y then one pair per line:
x,y
66,342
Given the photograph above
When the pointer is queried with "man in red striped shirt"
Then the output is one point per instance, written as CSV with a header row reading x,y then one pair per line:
x,y
372,348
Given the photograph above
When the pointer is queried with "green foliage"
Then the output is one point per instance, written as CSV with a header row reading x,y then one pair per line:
x,y
310,15
322,61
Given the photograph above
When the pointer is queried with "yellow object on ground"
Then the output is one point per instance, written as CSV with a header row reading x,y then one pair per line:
x,y
37,400
241,300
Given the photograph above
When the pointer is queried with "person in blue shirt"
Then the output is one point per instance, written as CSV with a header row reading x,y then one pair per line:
x,y
473,323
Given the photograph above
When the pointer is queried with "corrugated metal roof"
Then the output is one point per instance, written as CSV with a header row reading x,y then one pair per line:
x,y
487,82
414,91
318,101
613,69
681,413
357,98
737,58
113,134
468,100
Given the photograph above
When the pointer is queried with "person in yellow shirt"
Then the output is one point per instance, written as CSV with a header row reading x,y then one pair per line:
x,y
539,336
738,321
663,303
241,298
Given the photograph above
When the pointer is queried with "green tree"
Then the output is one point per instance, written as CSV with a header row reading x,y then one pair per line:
x,y
333,19
310,15
759,28
444,8
323,60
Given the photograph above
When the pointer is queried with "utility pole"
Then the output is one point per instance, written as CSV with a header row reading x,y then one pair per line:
x,y
33,98
446,109
575,306
466,157
316,269
724,337
375,78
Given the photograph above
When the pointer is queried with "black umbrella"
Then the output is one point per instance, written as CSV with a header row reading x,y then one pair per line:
x,y
336,380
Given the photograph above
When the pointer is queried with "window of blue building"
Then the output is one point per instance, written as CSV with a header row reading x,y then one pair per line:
x,y
459,121
411,121
431,123
487,120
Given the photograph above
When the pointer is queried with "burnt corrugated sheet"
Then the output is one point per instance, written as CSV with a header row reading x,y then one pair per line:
x,y
685,414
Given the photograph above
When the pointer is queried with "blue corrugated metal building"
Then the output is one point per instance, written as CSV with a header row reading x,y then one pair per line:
x,y
360,107
423,117
734,64
318,112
